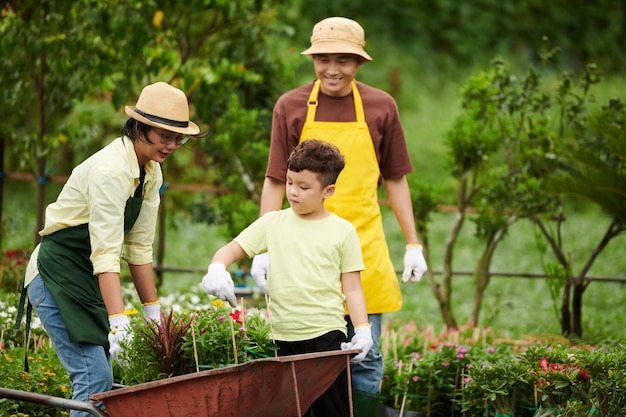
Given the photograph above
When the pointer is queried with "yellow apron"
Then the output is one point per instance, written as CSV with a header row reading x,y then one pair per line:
x,y
356,199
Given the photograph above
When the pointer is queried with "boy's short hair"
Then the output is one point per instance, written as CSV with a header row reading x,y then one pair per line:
x,y
317,156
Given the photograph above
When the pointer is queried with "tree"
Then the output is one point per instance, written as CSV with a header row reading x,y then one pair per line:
x,y
516,149
218,52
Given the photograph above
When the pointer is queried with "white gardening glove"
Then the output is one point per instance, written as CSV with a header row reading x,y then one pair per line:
x,y
414,264
259,269
120,330
219,283
152,311
362,339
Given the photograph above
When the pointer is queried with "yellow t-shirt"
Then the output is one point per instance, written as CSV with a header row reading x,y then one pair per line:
x,y
307,258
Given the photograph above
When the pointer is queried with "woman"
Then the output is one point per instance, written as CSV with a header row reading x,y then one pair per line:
x,y
107,210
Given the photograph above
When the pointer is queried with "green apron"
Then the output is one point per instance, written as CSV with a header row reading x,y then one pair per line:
x,y
66,270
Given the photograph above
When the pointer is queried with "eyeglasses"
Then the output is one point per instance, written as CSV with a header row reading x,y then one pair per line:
x,y
167,138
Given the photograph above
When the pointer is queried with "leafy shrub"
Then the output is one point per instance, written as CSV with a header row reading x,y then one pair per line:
x,y
46,376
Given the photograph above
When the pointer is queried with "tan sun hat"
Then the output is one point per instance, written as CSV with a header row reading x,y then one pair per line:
x,y
337,35
164,106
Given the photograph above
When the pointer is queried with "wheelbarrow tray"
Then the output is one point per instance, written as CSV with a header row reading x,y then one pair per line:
x,y
274,387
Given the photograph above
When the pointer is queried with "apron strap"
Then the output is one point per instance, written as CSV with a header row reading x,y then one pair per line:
x,y
18,321
313,103
139,189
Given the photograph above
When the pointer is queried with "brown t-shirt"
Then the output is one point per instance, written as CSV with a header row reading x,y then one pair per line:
x,y
381,116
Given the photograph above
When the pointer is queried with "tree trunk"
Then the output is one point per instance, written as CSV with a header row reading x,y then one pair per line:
x,y
577,310
41,196
1,186
566,327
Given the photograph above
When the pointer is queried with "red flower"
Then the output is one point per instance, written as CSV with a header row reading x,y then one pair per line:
x,y
236,316
543,364
584,375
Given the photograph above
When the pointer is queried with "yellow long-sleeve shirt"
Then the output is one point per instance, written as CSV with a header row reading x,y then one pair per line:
x,y
96,193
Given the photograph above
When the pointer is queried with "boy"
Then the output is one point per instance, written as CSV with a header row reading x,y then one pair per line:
x,y
315,268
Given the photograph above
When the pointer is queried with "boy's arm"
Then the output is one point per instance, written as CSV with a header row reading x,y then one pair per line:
x,y
228,254
217,280
355,302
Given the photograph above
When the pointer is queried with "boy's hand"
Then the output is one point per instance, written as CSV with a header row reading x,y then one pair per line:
x,y
362,339
218,282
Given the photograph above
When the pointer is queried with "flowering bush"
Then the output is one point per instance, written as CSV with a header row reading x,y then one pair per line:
x,y
183,343
426,371
471,372
9,336
12,266
46,376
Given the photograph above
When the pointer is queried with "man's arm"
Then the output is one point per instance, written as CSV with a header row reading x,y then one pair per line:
x,y
272,195
402,206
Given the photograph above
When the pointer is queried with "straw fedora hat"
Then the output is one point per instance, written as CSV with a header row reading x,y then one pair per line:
x,y
337,35
161,105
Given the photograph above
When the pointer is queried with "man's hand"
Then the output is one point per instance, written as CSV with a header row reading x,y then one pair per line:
x,y
219,283
259,269
362,339
414,264
120,330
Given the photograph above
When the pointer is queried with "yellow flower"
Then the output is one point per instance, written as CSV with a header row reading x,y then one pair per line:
x,y
157,19
131,312
218,303
63,389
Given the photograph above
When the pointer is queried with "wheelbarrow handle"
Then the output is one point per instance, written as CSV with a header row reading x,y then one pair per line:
x,y
51,401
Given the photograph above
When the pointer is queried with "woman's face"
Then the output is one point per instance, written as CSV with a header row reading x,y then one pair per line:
x,y
336,72
164,142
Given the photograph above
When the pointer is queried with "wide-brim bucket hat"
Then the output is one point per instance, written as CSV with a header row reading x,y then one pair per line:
x,y
338,35
163,106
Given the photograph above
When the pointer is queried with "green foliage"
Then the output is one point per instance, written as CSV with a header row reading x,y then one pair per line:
x,y
212,337
595,164
155,351
12,267
46,376
448,35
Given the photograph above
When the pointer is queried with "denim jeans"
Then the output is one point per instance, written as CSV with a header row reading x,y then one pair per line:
x,y
367,374
88,365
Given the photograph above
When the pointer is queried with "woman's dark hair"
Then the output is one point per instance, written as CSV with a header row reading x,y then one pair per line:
x,y
134,128
319,157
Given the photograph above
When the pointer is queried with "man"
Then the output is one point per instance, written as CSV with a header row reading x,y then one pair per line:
x,y
363,122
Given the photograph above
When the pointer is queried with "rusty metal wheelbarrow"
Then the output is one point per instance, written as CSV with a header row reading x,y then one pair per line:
x,y
285,386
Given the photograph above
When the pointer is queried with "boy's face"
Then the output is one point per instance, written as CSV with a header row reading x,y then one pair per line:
x,y
306,195
336,71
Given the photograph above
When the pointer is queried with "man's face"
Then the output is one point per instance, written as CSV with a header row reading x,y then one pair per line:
x,y
336,71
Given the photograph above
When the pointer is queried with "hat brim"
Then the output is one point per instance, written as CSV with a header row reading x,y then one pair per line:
x,y
190,129
336,47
